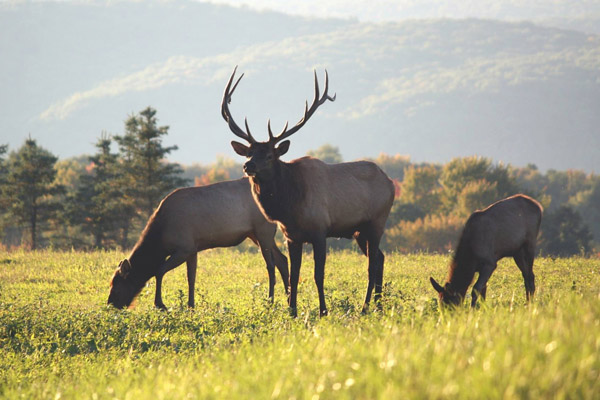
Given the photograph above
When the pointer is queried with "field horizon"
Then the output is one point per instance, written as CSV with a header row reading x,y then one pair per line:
x,y
58,339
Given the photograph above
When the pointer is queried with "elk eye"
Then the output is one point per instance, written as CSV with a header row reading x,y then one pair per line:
x,y
269,157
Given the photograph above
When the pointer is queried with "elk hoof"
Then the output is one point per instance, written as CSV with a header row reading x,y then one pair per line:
x,y
323,313
293,312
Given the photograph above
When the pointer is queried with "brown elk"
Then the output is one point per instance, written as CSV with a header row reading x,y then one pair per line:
x,y
311,200
190,220
507,228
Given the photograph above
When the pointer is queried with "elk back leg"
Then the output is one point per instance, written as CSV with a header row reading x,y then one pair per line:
x,y
370,247
524,260
376,262
295,250
192,266
320,255
361,240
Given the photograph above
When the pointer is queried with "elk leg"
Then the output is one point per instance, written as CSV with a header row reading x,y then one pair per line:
x,y
480,286
281,262
376,263
379,279
320,255
524,260
483,292
192,266
295,250
529,257
173,261
158,303
361,240
266,253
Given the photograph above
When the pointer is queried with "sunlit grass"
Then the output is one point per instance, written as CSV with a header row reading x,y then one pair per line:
x,y
58,339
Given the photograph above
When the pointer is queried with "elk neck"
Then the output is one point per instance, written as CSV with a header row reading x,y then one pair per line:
x,y
279,195
148,253
461,271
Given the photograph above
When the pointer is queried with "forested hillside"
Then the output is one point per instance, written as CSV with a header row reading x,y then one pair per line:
x,y
433,89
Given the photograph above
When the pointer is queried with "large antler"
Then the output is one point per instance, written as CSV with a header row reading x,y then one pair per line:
x,y
308,112
227,114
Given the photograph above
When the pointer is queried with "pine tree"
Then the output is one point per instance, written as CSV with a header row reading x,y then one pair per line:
x,y
99,205
30,187
147,177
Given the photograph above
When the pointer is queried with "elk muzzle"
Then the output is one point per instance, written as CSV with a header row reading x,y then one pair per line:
x,y
250,168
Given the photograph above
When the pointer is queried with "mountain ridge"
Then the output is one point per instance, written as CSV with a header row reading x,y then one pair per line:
x,y
433,89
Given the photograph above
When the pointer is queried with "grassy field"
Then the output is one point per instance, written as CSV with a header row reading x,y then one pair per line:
x,y
59,340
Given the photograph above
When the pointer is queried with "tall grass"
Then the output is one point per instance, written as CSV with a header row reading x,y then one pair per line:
x,y
59,340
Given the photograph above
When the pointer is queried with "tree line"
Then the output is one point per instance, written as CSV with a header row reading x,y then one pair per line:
x,y
104,200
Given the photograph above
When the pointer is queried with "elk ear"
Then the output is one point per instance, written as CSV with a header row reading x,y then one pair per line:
x,y
282,148
124,268
436,285
239,148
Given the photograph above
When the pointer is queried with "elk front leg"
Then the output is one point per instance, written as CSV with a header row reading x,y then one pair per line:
x,y
480,286
192,266
281,262
158,302
295,250
173,261
320,255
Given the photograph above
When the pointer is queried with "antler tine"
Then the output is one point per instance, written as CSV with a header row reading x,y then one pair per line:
x,y
269,129
326,88
252,140
227,114
308,112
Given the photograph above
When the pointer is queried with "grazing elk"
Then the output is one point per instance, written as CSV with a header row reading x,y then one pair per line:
x,y
507,228
311,200
190,220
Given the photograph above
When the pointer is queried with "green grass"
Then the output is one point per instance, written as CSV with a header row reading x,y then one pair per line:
x,y
59,340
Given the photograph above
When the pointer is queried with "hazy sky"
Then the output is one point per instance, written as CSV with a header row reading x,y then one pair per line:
x,y
386,10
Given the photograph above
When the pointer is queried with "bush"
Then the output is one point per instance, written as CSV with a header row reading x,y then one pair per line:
x,y
437,233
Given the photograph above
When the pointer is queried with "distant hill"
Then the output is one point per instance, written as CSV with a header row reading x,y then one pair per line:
x,y
432,89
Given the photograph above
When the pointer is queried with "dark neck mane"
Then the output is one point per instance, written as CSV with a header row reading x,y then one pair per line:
x,y
147,254
462,268
278,196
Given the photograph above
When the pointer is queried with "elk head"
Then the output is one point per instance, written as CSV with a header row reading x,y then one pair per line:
x,y
263,156
122,290
446,294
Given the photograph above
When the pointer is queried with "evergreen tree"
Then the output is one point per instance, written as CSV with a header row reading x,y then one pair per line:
x,y
147,177
99,205
30,187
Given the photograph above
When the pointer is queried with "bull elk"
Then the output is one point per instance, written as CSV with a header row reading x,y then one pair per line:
x,y
312,200
190,220
507,228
